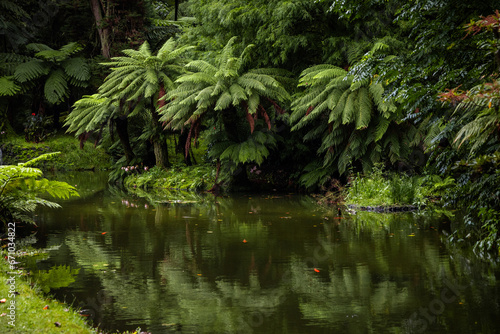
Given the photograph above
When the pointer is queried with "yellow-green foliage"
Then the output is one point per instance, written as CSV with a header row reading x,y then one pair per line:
x,y
71,157
20,187
199,177
377,189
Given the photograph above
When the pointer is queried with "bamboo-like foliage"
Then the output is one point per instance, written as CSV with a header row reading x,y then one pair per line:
x,y
351,116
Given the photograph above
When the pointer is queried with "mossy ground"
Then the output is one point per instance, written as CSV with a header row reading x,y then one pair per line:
x,y
15,149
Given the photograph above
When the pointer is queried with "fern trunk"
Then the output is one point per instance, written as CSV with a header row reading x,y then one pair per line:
x,y
160,146
160,149
122,131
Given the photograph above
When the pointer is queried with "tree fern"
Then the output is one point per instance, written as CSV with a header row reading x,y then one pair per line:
x,y
224,92
357,113
31,70
56,87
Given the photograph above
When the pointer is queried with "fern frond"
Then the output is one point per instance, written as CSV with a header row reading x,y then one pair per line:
x,y
31,70
56,87
365,108
8,86
77,68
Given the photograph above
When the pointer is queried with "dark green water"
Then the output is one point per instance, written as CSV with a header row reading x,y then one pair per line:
x,y
261,264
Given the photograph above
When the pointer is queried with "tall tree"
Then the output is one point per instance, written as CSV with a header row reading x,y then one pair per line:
x,y
100,10
142,78
226,94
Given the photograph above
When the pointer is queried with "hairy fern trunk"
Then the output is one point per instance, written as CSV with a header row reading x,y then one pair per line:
x,y
160,146
122,131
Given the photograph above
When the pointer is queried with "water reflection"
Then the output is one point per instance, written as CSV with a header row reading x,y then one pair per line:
x,y
263,264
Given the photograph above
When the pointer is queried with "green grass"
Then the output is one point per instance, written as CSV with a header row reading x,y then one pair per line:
x,y
34,312
379,189
30,315
16,149
179,176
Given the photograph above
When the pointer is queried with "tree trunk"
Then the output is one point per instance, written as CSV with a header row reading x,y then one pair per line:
x,y
122,130
160,146
104,33
161,153
176,14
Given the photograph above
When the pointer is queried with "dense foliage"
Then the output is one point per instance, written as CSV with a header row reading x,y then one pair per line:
x,y
21,188
304,92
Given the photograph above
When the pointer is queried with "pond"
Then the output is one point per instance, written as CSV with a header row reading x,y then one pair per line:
x,y
258,263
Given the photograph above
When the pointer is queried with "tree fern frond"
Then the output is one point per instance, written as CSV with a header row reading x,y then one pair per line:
x,y
37,47
8,86
31,70
224,101
365,108
349,109
77,68
56,87
71,48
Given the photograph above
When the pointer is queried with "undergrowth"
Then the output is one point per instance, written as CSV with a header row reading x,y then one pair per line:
x,y
384,189
16,150
179,176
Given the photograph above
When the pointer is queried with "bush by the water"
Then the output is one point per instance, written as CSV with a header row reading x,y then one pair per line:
x,y
379,189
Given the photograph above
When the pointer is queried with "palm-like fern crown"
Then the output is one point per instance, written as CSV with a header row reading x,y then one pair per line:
x,y
61,67
89,113
348,112
142,74
219,86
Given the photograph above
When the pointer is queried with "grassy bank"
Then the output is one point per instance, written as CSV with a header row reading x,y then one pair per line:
x,y
15,149
25,310
29,311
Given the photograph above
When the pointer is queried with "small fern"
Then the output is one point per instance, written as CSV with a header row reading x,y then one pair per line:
x,y
20,187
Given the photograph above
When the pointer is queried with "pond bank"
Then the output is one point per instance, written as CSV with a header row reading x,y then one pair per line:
x,y
23,309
